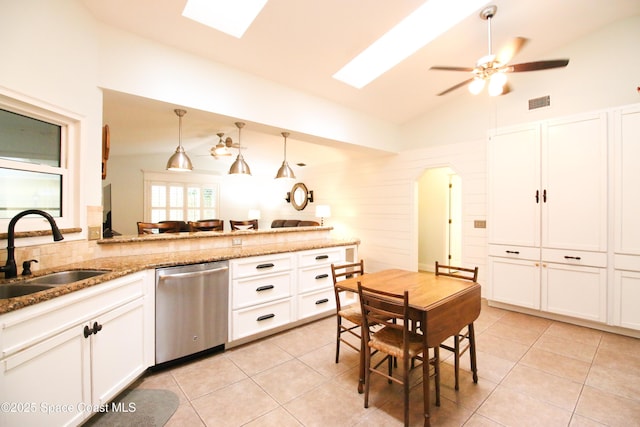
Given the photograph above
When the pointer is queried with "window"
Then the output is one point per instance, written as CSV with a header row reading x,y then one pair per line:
x,y
180,197
36,170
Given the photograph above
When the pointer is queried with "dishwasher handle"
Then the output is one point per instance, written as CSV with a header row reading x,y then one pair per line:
x,y
192,273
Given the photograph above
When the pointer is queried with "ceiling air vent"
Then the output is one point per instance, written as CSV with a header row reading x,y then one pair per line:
x,y
543,101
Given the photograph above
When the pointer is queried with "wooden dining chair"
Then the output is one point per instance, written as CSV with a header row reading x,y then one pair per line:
x,y
465,339
251,224
158,227
207,225
393,337
350,313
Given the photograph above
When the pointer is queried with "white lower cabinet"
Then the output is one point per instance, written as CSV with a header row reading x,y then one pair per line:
x,y
272,291
574,284
315,283
626,291
515,281
575,291
62,363
261,294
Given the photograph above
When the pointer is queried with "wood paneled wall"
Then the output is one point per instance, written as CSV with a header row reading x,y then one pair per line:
x,y
375,199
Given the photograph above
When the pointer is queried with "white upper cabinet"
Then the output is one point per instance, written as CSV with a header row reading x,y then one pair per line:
x,y
514,186
574,183
548,184
626,130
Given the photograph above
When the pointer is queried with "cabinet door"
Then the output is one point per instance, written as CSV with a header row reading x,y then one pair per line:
x,y
575,291
515,281
626,297
513,186
626,178
117,350
574,183
47,384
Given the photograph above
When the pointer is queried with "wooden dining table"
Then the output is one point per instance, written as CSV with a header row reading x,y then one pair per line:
x,y
443,305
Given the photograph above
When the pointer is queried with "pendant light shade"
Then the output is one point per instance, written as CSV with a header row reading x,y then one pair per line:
x,y
240,166
179,161
285,170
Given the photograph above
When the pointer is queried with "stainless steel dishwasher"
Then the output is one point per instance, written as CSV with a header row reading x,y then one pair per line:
x,y
191,309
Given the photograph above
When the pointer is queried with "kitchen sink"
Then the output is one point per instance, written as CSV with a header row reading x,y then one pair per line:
x,y
65,277
18,290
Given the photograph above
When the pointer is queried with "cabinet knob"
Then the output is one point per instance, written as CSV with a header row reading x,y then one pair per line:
x,y
87,331
96,327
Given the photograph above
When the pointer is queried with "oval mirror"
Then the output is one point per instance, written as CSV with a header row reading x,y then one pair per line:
x,y
299,198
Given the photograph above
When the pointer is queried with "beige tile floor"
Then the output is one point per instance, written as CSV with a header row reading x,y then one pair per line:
x,y
533,372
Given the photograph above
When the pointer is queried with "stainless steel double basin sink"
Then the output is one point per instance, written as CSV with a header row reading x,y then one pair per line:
x,y
48,281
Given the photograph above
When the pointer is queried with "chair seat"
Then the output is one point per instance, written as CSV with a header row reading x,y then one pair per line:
x,y
352,314
389,341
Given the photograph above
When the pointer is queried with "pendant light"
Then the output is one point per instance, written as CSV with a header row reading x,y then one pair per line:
x,y
240,166
179,161
285,171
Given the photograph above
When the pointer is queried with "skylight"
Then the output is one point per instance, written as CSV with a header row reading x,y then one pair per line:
x,y
419,28
232,17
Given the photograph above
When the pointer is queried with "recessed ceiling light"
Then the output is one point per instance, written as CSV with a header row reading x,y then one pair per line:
x,y
229,16
422,26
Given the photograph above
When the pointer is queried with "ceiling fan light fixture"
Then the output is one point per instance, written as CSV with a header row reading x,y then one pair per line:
x,y
496,84
179,161
220,148
476,85
285,170
239,166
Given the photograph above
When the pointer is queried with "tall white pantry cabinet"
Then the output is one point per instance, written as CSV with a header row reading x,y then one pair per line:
x,y
552,213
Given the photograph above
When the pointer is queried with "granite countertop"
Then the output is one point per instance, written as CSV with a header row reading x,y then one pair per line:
x,y
121,266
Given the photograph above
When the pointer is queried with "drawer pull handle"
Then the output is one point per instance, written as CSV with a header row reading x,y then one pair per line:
x,y
268,265
265,317
264,288
321,276
322,301
513,252
571,257
319,257
87,331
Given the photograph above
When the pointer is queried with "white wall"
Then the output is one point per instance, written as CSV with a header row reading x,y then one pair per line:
x,y
137,66
376,200
49,54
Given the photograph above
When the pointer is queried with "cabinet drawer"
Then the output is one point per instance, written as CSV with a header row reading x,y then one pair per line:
x,y
562,256
253,320
515,252
259,290
627,262
321,257
35,323
316,303
245,267
311,279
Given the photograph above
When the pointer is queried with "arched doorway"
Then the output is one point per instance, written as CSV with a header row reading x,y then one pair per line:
x,y
439,218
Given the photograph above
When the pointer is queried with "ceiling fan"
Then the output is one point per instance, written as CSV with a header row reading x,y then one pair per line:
x,y
493,68
223,147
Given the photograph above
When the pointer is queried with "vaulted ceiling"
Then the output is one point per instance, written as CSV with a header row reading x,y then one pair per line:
x,y
302,43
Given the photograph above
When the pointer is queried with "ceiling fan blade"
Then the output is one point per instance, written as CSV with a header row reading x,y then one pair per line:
x,y
445,68
511,50
452,88
537,65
